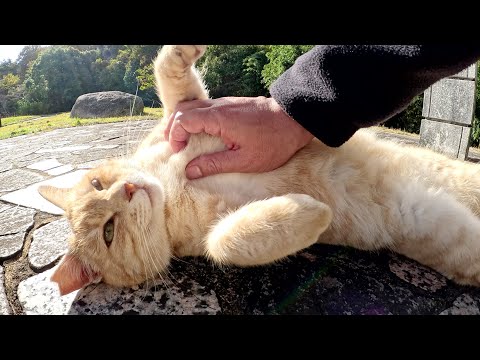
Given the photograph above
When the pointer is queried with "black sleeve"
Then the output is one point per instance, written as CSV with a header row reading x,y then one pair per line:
x,y
333,90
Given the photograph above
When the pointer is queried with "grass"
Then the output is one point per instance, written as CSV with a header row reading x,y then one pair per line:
x,y
22,125
16,119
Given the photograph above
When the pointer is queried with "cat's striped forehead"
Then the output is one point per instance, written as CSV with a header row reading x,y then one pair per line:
x,y
95,202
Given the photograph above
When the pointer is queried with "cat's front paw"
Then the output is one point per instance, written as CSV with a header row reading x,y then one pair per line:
x,y
182,56
189,53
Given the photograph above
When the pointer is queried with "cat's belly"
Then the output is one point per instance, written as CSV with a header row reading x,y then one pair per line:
x,y
235,189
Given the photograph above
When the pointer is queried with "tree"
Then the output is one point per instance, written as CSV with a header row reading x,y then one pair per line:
x,y
408,120
233,70
9,94
475,137
26,58
59,76
281,57
7,67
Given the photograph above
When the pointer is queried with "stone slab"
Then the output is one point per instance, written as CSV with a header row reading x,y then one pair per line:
x,y
463,305
63,149
106,147
14,223
14,219
452,100
468,73
18,178
39,296
4,207
448,139
45,165
5,166
60,170
417,274
30,197
11,245
4,307
90,164
49,243
427,98
464,143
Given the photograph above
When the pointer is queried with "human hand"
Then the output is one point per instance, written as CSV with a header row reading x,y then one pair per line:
x,y
258,134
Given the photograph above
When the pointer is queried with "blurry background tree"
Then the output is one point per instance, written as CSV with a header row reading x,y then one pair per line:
x,y
49,79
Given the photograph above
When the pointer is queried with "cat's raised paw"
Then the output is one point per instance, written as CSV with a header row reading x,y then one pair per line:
x,y
185,55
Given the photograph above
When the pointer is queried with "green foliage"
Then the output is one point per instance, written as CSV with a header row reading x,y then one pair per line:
x,y
409,119
9,82
26,58
475,137
7,67
233,70
50,79
9,93
280,58
46,80
58,76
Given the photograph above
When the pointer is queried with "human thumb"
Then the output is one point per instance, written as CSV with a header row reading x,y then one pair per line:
x,y
215,163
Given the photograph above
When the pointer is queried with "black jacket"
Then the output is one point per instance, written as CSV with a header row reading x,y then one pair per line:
x,y
333,90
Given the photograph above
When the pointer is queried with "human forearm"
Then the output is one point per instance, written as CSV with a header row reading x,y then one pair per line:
x,y
333,90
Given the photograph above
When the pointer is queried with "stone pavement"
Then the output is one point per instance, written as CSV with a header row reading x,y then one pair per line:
x,y
321,280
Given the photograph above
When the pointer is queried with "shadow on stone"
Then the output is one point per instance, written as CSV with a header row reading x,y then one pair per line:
x,y
322,280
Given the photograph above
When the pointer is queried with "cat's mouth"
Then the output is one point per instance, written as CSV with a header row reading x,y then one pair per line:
x,y
148,191
133,186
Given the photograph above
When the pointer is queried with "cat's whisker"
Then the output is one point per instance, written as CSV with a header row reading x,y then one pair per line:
x,y
146,287
176,258
152,258
143,242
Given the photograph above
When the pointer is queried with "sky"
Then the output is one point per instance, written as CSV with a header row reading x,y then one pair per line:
x,y
10,51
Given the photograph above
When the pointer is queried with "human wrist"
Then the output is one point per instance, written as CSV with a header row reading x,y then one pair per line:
x,y
300,134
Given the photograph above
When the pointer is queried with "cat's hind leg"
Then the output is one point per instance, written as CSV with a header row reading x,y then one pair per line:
x,y
267,230
435,229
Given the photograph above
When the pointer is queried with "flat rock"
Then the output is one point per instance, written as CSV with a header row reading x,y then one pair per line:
x,y
5,167
49,243
4,207
45,165
14,222
90,164
60,170
15,219
106,104
106,147
64,149
39,296
4,307
30,197
10,245
18,178
463,305
417,274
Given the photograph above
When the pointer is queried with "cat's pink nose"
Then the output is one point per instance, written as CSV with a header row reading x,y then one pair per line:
x,y
130,190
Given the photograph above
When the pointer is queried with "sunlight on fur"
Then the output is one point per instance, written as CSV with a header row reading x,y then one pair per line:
x,y
132,215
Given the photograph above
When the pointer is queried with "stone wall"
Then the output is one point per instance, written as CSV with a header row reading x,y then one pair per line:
x,y
448,110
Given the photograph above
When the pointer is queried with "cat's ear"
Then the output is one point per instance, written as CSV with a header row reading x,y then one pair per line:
x,y
57,196
72,274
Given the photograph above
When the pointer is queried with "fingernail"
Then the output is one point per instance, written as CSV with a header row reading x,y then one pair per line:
x,y
193,172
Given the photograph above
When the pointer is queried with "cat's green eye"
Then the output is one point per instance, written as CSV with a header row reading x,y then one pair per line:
x,y
96,184
108,232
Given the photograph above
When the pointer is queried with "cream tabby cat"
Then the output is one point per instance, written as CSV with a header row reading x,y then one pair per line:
x,y
131,215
